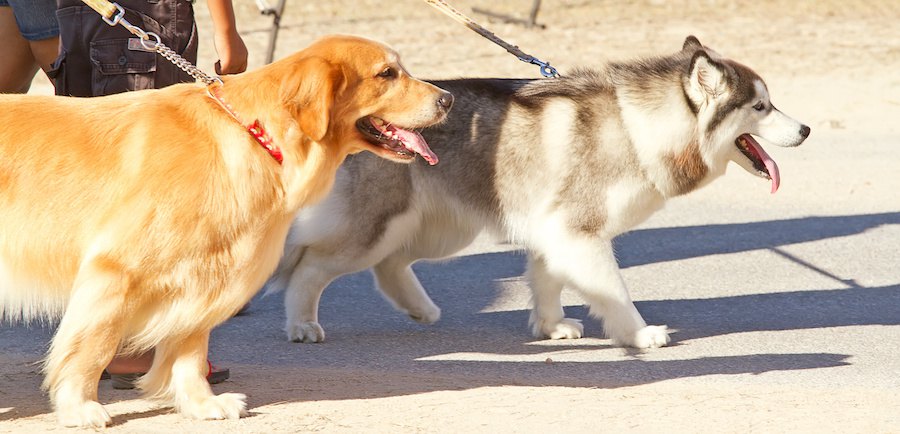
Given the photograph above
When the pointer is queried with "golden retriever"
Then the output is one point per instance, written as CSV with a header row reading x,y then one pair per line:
x,y
145,219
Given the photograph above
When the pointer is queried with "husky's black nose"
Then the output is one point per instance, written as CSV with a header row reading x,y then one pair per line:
x,y
804,131
445,101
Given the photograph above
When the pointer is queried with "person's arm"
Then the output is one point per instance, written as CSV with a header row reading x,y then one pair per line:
x,y
229,45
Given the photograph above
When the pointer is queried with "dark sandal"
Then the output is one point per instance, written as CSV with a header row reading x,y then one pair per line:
x,y
216,375
124,381
127,381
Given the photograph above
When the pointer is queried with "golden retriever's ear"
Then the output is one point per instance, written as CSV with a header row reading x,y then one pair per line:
x,y
309,94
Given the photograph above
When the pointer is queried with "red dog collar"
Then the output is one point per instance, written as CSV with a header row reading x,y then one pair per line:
x,y
255,128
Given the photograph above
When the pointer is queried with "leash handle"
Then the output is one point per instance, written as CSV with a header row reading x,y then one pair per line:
x,y
441,5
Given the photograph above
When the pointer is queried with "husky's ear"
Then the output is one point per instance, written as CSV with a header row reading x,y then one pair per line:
x,y
707,77
309,95
691,44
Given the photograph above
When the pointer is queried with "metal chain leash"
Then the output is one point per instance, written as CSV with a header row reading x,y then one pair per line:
x,y
186,66
446,8
157,46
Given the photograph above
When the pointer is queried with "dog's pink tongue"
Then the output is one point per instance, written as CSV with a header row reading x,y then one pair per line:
x,y
767,160
416,143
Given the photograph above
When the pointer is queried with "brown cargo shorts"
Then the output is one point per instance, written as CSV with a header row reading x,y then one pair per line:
x,y
98,59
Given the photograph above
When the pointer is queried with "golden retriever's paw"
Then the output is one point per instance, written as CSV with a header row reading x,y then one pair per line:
x,y
307,332
426,315
567,328
88,414
649,337
223,406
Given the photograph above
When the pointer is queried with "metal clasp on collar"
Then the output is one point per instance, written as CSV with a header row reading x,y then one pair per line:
x,y
546,70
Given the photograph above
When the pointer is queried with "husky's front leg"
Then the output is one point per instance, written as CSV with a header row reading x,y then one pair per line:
x,y
591,268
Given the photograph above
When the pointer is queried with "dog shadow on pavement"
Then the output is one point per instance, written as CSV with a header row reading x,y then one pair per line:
x,y
849,305
373,351
646,246
368,341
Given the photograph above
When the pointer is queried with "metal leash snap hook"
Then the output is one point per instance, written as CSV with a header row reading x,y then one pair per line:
x,y
118,17
546,70
549,71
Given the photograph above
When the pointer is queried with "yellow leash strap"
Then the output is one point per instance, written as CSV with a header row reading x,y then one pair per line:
x,y
103,7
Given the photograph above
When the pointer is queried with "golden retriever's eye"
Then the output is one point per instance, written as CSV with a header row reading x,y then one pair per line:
x,y
388,72
759,106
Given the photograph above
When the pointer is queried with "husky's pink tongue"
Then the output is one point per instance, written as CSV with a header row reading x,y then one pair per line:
x,y
766,159
414,141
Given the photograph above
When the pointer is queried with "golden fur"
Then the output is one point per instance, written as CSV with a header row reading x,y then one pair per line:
x,y
147,218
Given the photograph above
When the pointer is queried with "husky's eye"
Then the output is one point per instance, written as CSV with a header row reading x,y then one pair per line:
x,y
388,72
759,106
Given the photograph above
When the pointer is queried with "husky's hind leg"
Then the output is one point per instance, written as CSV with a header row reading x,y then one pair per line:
x,y
591,268
85,342
301,298
547,316
398,282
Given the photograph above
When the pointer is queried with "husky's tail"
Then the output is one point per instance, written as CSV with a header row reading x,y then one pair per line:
x,y
282,275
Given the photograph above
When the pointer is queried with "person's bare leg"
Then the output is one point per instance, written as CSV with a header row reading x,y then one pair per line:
x,y
45,52
137,364
18,66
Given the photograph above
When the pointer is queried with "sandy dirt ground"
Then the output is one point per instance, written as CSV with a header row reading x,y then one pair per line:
x,y
786,307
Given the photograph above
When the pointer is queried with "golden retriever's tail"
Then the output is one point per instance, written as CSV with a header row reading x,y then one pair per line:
x,y
21,306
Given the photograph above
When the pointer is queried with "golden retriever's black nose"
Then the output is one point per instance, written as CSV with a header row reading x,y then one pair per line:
x,y
446,101
804,131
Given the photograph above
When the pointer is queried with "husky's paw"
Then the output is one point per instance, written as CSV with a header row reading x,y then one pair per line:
x,y
427,315
88,414
224,406
648,337
567,328
307,332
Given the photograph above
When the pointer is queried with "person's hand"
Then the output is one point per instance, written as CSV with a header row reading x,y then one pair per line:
x,y
232,53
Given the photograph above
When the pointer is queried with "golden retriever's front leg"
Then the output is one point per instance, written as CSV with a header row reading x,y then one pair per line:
x,y
178,375
85,342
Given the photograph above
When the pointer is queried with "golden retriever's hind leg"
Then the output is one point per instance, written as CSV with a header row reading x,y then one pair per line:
x,y
156,383
85,342
179,376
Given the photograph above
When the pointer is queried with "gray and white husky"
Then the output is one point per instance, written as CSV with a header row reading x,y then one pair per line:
x,y
559,166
